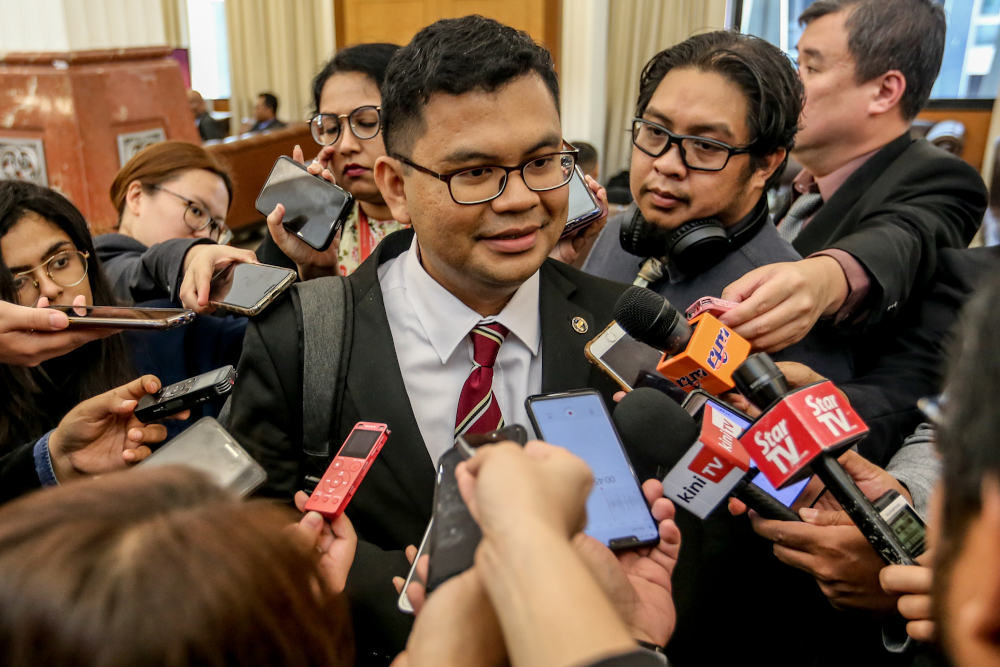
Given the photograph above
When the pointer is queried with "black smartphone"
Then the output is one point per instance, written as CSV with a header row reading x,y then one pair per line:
x,y
122,317
694,405
454,534
617,513
186,394
314,208
246,289
583,207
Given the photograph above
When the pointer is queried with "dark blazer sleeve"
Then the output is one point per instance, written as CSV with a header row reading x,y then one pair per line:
x,y
156,273
939,204
266,412
912,364
17,473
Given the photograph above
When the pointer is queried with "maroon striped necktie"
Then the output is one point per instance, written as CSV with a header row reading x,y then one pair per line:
x,y
478,411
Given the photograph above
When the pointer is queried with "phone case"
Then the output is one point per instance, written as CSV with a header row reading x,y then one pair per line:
x,y
177,397
403,603
592,358
572,226
454,534
208,447
263,303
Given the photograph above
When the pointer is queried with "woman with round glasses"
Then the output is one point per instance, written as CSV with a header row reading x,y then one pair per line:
x,y
346,124
47,257
172,199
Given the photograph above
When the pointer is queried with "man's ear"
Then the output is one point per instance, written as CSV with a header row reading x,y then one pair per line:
x,y
771,163
389,179
985,534
887,91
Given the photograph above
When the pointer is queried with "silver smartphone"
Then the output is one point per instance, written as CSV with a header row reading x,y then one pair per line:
x,y
583,207
121,317
404,603
208,447
247,289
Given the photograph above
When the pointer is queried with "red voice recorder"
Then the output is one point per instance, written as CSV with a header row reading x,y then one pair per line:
x,y
804,423
711,468
348,468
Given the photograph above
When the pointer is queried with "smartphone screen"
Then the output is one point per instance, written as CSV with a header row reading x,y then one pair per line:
x,y
246,285
617,513
785,496
581,203
314,208
627,357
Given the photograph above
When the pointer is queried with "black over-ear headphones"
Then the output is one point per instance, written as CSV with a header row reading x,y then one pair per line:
x,y
694,247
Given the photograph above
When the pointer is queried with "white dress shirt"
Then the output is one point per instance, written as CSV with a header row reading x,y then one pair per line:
x,y
430,331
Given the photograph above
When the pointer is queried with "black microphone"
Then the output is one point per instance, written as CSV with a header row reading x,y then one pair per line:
x,y
801,432
700,354
662,440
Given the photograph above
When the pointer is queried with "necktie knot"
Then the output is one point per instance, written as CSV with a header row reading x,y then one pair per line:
x,y
486,341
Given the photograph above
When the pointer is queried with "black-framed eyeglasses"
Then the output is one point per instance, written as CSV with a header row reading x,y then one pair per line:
x,y
66,269
364,123
198,218
478,185
697,153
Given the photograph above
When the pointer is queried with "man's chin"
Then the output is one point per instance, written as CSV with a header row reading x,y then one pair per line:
x,y
511,268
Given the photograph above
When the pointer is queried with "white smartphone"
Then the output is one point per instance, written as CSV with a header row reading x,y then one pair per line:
x,y
622,357
403,603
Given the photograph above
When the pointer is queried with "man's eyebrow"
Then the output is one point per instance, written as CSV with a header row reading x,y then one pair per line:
x,y
464,155
707,128
48,253
812,53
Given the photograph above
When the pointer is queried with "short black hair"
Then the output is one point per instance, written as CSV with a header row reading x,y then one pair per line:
x,y
372,60
967,439
270,101
455,56
767,77
884,35
587,157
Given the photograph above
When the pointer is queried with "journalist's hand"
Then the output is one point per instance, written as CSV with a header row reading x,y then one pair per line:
x,y
333,541
311,263
637,581
201,263
780,303
29,336
102,434
912,583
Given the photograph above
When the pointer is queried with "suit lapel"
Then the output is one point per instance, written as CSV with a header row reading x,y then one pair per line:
x,y
564,365
829,222
375,382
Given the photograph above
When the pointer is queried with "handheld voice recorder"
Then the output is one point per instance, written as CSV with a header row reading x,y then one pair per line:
x,y
184,395
342,478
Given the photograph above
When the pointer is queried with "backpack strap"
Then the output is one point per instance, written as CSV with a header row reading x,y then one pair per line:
x,y
327,310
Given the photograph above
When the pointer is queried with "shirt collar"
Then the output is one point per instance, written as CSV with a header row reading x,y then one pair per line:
x,y
828,185
447,321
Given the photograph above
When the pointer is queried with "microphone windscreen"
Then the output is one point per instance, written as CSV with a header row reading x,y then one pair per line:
x,y
647,317
655,430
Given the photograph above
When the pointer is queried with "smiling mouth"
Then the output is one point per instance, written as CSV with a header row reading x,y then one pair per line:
x,y
513,241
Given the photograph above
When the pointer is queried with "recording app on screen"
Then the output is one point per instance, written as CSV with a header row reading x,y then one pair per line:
x,y
616,508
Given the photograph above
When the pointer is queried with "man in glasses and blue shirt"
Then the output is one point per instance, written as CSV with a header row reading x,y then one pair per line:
x,y
715,120
449,325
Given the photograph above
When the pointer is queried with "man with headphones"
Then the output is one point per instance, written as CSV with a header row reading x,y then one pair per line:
x,y
715,120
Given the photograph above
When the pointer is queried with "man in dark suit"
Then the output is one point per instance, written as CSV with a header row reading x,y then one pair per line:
x,y
208,127
265,113
455,322
874,206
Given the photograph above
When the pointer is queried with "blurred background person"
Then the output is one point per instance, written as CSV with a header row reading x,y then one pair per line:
x,y
587,159
265,113
208,127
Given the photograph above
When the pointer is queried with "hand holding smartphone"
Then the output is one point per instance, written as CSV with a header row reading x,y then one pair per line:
x,y
314,209
584,208
247,289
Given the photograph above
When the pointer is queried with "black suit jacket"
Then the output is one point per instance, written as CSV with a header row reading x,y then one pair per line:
x,y
17,472
393,506
209,128
894,213
911,364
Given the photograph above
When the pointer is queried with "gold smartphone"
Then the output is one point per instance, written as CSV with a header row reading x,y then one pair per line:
x,y
247,289
121,317
622,357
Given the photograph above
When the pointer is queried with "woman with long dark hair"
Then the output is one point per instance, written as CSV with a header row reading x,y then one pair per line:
x,y
47,257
